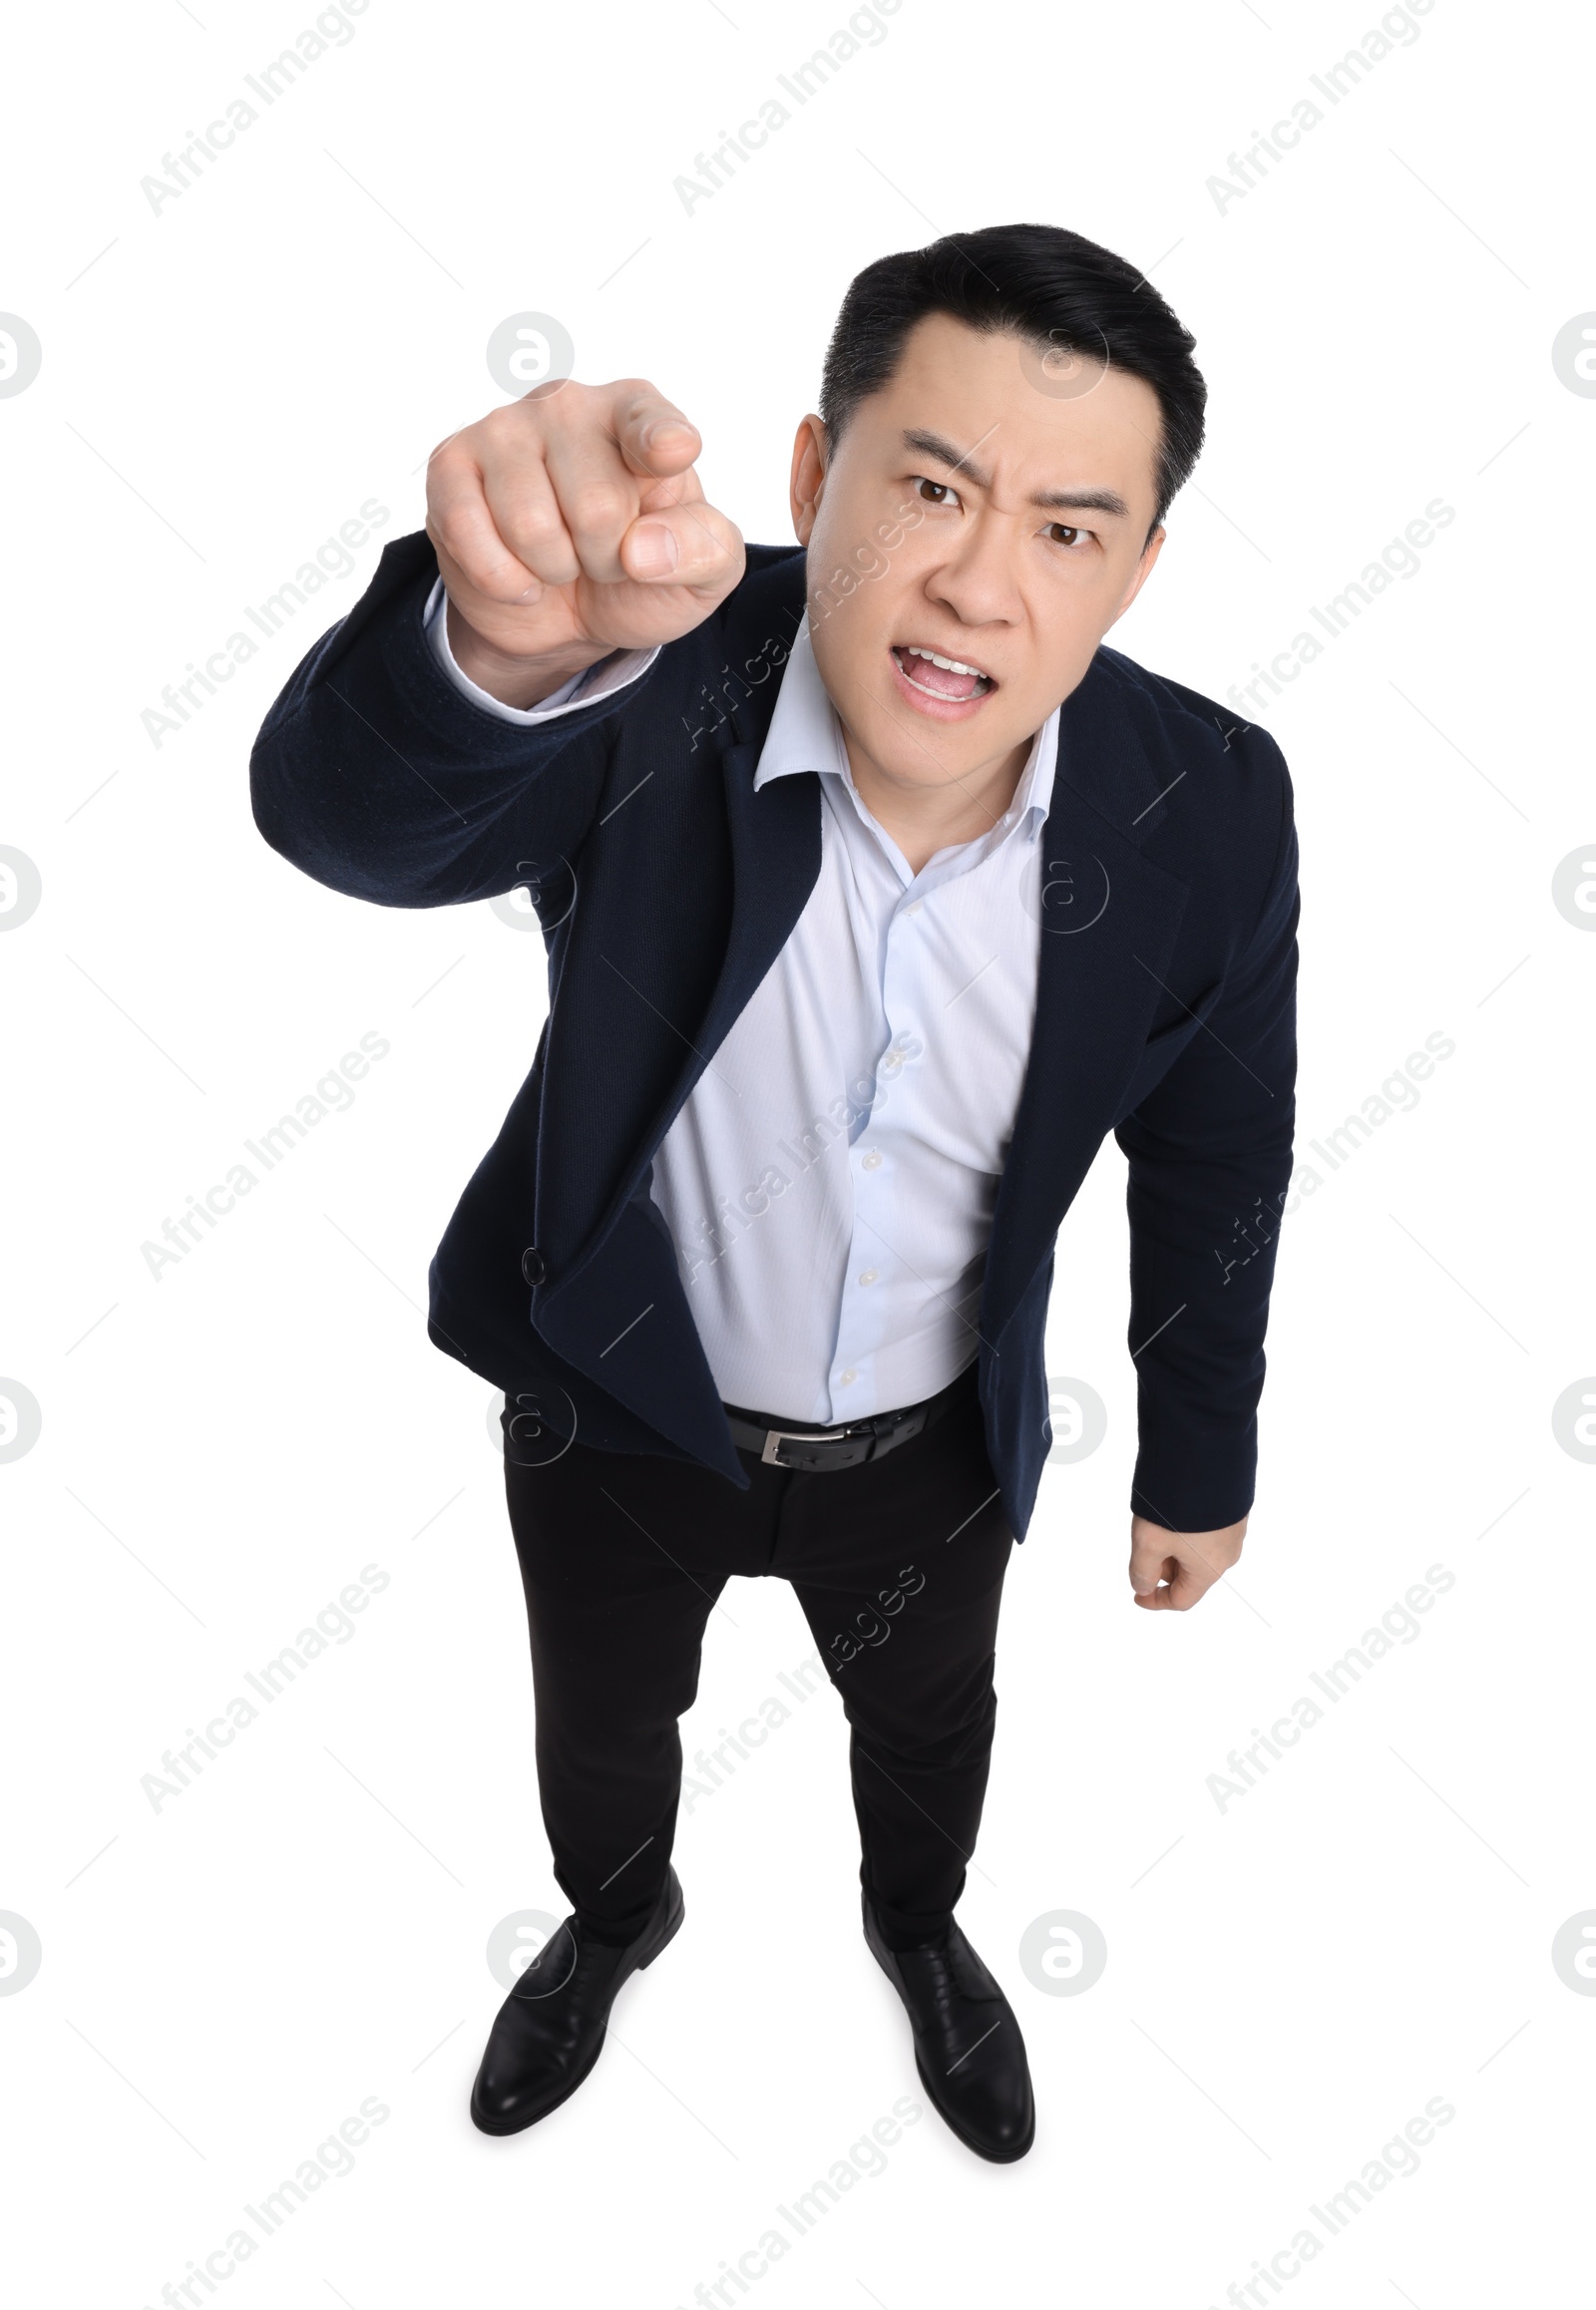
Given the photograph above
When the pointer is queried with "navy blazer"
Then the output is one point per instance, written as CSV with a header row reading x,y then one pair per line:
x,y
666,887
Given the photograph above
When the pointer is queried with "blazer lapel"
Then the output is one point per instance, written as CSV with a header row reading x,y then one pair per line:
x,y
774,834
1109,923
619,1313
617,1310
775,862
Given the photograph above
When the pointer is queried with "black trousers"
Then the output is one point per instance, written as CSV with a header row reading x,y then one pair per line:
x,y
898,1566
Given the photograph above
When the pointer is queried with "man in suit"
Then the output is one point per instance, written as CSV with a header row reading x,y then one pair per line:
x,y
876,892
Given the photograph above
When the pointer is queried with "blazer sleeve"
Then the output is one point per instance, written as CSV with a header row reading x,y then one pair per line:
x,y
1210,1161
374,774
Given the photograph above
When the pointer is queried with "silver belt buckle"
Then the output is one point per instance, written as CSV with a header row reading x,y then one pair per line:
x,y
775,1437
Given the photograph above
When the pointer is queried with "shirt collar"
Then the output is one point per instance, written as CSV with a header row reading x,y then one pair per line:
x,y
805,734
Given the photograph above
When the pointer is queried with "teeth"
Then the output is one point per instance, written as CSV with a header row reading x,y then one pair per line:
x,y
950,664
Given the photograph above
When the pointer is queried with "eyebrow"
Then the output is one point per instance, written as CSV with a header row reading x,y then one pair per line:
x,y
1072,501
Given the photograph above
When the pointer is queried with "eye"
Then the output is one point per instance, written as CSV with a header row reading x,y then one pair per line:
x,y
1060,534
938,492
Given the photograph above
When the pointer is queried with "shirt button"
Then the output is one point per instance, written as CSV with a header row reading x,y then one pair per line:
x,y
913,907
871,1159
870,1275
846,1379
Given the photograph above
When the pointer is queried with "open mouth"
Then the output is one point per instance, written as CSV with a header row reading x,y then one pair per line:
x,y
939,678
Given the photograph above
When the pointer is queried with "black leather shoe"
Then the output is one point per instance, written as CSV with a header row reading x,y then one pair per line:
x,y
967,2047
550,2031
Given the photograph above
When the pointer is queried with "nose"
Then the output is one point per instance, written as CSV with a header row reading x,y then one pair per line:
x,y
978,580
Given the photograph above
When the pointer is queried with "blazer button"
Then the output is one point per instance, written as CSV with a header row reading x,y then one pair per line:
x,y
534,1267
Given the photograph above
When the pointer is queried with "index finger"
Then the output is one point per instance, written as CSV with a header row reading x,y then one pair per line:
x,y
652,433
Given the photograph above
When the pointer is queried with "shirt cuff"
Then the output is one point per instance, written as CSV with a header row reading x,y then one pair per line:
x,y
595,682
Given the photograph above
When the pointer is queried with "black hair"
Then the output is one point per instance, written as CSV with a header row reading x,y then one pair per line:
x,y
1051,288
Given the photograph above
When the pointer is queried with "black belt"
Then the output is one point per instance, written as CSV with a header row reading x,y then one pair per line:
x,y
815,1449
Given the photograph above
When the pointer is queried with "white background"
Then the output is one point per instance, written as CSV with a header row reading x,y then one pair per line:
x,y
1290,1979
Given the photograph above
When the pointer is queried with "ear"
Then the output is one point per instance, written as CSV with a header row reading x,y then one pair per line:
x,y
808,476
1143,570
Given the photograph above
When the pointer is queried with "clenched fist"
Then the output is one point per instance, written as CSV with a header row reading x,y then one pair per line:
x,y
1172,1571
570,524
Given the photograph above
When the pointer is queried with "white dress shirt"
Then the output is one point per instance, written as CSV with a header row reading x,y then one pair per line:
x,y
829,1184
